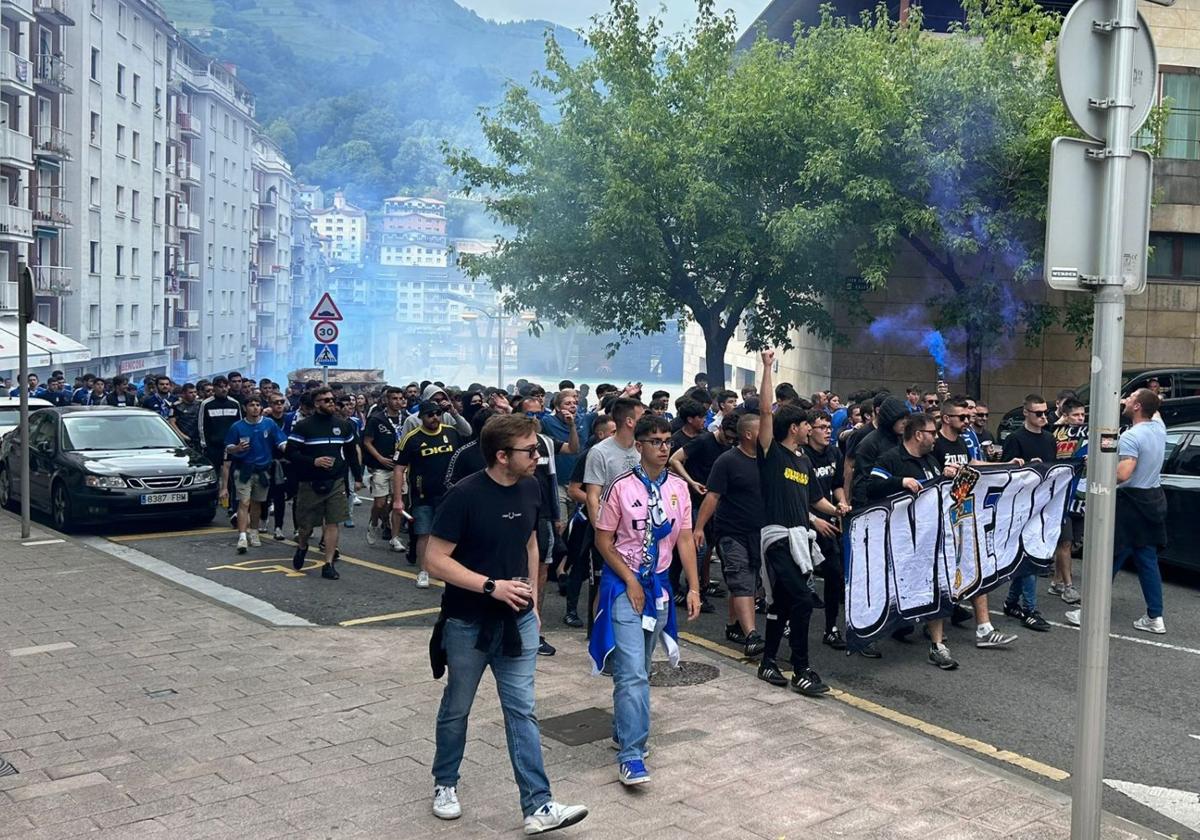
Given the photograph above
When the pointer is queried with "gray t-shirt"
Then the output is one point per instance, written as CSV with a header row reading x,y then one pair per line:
x,y
608,460
1148,443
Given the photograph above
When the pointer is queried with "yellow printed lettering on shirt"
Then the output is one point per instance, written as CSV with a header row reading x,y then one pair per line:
x,y
426,451
795,475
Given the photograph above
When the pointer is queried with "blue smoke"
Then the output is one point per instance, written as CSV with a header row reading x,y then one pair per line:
x,y
911,324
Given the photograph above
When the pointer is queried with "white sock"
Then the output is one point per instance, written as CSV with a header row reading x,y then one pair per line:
x,y
983,629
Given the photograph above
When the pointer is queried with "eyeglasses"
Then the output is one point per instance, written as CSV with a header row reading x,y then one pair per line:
x,y
531,451
658,443
822,427
926,432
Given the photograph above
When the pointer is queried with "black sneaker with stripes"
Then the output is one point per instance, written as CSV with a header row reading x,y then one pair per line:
x,y
809,683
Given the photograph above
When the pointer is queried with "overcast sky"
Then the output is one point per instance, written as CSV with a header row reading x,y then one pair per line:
x,y
575,13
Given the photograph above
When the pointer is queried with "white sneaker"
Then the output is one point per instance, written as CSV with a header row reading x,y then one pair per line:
x,y
242,543
445,803
357,501
255,540
552,815
279,534
1073,617
262,528
1150,625
372,534
397,545
422,579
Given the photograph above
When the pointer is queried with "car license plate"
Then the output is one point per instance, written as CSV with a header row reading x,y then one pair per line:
x,y
163,498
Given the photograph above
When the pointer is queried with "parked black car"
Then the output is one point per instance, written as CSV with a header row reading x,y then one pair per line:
x,y
105,464
1179,388
1181,483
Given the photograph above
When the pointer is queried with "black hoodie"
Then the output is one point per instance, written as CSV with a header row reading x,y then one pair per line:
x,y
874,445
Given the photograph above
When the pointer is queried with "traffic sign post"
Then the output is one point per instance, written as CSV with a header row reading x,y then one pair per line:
x,y
325,355
325,332
1107,73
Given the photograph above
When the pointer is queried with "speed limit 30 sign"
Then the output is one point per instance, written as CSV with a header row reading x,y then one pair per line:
x,y
325,332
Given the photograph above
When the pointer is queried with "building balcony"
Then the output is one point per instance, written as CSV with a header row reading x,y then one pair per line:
x,y
187,221
266,234
172,183
187,320
52,143
189,125
52,72
16,74
52,280
54,11
171,286
22,9
187,272
173,135
266,199
188,172
51,210
16,149
16,224
266,306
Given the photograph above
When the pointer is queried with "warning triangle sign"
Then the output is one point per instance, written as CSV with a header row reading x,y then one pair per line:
x,y
326,356
326,310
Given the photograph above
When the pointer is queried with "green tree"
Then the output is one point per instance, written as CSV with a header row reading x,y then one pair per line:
x,y
670,178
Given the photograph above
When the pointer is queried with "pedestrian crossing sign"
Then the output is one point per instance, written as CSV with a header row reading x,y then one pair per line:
x,y
325,355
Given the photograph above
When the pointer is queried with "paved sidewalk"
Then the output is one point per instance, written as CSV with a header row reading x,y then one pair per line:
x,y
133,708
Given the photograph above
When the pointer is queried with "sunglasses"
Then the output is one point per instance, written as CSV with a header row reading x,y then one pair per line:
x,y
323,399
1036,413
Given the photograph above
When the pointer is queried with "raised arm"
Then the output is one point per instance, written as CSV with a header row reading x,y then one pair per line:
x,y
766,429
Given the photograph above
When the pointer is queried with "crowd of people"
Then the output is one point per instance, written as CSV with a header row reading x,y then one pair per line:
x,y
496,492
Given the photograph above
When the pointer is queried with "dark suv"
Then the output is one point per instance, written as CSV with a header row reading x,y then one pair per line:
x,y
1178,386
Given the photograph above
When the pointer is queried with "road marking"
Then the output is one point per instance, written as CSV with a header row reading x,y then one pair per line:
x,y
908,721
404,573
1197,737
1182,806
225,594
354,622
163,535
1136,640
271,565
42,542
28,651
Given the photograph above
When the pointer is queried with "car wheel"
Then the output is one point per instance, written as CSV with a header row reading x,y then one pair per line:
x,y
6,497
60,508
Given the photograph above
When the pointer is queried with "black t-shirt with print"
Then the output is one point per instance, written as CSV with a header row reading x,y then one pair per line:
x,y
427,455
490,525
953,452
785,479
383,432
827,470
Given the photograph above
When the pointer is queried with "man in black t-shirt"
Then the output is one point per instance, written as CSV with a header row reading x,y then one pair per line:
x,y
980,427
693,462
690,418
1027,444
379,438
483,546
785,476
423,457
733,506
827,472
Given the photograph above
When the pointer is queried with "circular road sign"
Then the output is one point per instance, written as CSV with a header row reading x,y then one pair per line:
x,y
1084,58
325,332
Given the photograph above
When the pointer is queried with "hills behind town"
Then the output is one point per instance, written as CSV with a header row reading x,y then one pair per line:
x,y
361,95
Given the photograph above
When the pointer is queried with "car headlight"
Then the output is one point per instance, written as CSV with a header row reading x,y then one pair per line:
x,y
206,476
106,482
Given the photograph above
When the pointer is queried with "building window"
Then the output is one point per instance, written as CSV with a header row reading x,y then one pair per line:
x,y
137,89
157,154
121,141
1176,257
157,98
94,192
135,150
134,313
120,80
94,257
120,202
1181,137
120,261
137,31
95,64
121,13
157,210
120,324
95,129
135,204
94,319
134,262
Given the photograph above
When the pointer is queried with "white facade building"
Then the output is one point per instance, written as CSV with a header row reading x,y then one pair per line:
x,y
343,230
271,268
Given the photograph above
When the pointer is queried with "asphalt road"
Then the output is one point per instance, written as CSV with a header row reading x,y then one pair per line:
x,y
1020,699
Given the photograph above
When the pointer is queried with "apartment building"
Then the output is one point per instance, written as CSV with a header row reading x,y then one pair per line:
x,y
212,188
310,279
101,235
271,268
343,230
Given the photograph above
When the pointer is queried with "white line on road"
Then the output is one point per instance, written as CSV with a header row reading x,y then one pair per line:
x,y
1197,737
225,594
1134,639
1182,806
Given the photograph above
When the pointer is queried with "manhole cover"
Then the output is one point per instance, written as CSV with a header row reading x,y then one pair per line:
x,y
7,769
663,675
578,728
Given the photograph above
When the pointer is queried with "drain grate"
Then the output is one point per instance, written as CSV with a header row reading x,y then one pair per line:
x,y
662,675
7,769
579,728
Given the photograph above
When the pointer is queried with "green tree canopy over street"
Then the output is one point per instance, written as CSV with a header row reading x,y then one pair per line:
x,y
677,176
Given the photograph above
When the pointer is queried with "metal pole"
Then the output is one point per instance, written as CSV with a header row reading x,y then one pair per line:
x,y
500,351
24,312
1108,341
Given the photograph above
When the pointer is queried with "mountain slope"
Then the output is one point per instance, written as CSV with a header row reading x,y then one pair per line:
x,y
361,94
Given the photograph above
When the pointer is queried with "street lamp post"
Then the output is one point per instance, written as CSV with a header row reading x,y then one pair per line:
x,y
24,316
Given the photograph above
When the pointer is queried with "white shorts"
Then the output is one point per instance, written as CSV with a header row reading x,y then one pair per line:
x,y
379,484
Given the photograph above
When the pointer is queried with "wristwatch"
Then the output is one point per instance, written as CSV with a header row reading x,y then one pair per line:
x,y
489,586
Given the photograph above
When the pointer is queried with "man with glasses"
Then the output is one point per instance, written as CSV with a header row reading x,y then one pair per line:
x,y
951,449
1029,444
908,467
979,425
1070,441
319,448
829,485
423,458
646,512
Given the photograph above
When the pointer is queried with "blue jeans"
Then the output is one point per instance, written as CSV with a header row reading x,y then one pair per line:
x,y
1023,590
514,684
1146,559
630,662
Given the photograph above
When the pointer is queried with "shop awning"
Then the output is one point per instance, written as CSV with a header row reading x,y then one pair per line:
x,y
47,347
